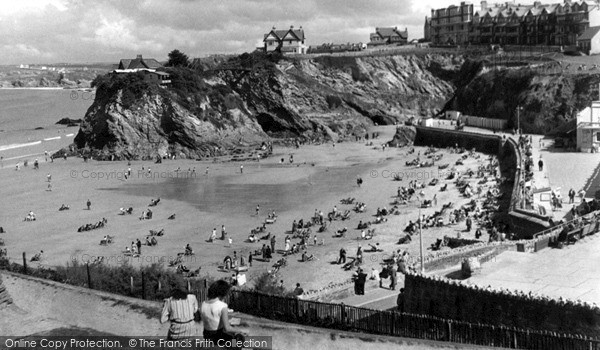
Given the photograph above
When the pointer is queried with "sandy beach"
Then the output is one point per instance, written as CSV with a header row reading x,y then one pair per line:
x,y
319,178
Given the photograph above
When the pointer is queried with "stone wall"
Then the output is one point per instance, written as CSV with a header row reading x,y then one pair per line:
x,y
443,298
489,144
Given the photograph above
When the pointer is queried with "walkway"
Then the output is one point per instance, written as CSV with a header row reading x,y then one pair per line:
x,y
570,273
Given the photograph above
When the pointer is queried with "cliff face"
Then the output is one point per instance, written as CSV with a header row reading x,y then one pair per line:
x,y
548,100
158,123
322,98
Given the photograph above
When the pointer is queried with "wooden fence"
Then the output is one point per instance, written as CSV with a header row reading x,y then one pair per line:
x,y
390,323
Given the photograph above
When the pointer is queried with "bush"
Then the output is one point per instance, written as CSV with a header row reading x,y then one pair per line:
x,y
267,284
114,279
132,85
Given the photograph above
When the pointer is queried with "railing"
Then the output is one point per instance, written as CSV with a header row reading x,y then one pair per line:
x,y
349,318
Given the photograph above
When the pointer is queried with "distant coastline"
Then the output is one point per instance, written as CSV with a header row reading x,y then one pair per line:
x,y
40,88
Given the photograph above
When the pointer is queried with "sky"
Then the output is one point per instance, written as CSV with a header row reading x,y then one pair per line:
x,y
80,31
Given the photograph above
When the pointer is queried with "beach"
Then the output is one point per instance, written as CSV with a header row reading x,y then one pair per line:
x,y
319,177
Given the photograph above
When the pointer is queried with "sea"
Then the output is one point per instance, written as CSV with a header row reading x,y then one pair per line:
x,y
28,119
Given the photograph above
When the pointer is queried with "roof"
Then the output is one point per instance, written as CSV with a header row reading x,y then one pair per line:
x,y
386,32
589,33
280,34
139,63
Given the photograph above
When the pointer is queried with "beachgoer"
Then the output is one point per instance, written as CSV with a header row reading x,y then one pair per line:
x,y
215,314
180,310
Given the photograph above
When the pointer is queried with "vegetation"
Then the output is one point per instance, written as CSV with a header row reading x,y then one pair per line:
x,y
133,87
178,59
114,279
268,284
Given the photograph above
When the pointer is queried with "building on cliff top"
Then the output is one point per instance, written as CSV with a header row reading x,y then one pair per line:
x,y
588,128
286,41
387,36
589,41
147,66
512,23
139,63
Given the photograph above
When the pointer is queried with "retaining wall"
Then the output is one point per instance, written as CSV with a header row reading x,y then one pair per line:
x,y
427,136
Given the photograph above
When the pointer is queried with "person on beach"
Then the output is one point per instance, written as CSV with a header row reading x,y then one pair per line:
x,y
257,209
273,241
180,309
89,205
241,169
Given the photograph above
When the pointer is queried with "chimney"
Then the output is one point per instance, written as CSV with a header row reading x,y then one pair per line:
x,y
537,4
273,28
300,27
291,27
484,5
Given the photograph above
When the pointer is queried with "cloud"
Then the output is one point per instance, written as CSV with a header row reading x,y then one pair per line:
x,y
107,30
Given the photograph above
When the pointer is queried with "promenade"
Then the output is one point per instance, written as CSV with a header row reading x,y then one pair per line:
x,y
568,273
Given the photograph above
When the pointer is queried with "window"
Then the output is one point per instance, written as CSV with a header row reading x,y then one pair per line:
x,y
598,136
270,43
290,42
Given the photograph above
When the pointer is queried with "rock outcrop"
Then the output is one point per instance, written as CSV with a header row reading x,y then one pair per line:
x,y
548,99
246,100
405,135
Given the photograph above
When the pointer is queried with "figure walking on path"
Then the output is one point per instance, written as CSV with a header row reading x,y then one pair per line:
x,y
541,164
89,205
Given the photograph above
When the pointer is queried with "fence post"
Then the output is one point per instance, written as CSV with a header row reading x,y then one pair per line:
x,y
89,276
449,330
143,285
24,263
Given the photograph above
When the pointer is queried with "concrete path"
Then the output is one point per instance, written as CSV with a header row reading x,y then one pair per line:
x,y
570,272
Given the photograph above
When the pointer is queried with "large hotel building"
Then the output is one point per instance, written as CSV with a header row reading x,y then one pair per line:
x,y
512,23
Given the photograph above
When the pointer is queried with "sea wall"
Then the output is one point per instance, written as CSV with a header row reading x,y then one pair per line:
x,y
489,144
524,223
443,298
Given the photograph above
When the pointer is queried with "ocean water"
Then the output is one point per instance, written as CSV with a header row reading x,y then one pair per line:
x,y
22,109
216,194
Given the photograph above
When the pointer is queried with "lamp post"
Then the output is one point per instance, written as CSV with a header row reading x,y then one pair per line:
x,y
519,109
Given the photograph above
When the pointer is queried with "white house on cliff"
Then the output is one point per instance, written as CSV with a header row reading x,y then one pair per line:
x,y
287,40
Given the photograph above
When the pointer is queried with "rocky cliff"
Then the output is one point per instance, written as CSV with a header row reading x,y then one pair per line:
x,y
248,99
548,98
